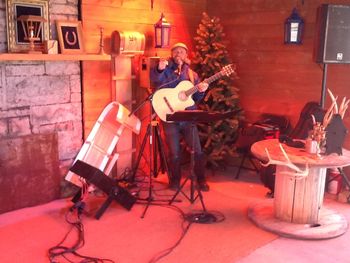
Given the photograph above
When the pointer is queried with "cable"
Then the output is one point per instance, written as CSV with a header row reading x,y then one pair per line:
x,y
196,218
185,228
76,224
167,251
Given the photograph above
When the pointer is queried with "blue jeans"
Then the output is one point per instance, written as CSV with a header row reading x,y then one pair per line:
x,y
173,133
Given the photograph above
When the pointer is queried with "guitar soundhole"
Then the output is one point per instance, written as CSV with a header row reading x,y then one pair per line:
x,y
182,96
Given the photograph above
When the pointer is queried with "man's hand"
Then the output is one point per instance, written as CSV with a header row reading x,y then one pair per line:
x,y
162,64
203,86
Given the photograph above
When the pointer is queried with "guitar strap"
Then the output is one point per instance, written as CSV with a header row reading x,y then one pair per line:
x,y
190,75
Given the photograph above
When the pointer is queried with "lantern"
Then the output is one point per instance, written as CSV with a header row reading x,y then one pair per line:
x,y
32,29
162,32
293,28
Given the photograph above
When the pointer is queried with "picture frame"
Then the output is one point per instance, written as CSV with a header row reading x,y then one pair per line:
x,y
70,37
15,32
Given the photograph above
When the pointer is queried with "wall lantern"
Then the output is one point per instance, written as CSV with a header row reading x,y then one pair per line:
x,y
293,28
32,29
162,32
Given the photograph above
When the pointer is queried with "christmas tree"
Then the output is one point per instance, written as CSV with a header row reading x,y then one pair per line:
x,y
222,96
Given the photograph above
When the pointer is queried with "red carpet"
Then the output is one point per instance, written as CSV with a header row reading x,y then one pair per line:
x,y
120,235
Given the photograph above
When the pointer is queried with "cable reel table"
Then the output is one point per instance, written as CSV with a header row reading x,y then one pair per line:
x,y
297,210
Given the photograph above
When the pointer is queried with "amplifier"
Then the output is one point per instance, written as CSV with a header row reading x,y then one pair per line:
x,y
270,131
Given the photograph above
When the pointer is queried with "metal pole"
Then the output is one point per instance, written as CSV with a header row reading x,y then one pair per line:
x,y
324,81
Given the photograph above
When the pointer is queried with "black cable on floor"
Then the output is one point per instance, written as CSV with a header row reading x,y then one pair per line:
x,y
185,228
190,218
167,251
62,251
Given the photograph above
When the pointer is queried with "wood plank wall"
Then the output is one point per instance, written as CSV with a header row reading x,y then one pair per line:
x,y
274,77
127,15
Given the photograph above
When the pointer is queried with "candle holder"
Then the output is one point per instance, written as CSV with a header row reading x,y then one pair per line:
x,y
101,52
32,28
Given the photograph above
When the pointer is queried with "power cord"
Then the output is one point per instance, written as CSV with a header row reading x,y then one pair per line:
x,y
62,251
185,227
186,224
167,251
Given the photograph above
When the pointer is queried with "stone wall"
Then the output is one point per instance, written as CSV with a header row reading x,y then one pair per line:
x,y
42,97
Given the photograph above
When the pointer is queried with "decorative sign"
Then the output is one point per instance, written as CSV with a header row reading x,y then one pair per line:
x,y
70,37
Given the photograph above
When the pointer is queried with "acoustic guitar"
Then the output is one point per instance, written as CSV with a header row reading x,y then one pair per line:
x,y
169,100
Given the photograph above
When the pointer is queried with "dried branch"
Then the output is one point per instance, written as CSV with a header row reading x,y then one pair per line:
x,y
297,171
334,99
343,107
329,114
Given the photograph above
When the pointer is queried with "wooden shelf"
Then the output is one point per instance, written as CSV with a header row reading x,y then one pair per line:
x,y
52,57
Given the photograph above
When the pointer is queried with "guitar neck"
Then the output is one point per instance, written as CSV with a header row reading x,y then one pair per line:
x,y
209,80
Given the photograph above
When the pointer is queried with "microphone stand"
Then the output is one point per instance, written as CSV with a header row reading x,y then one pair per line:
x,y
149,97
155,147
148,132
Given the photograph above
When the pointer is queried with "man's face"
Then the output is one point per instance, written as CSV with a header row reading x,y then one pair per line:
x,y
179,55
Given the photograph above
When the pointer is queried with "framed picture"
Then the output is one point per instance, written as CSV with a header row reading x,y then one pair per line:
x,y
70,37
15,31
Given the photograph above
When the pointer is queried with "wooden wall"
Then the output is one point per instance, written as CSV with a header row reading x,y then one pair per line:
x,y
274,77
128,15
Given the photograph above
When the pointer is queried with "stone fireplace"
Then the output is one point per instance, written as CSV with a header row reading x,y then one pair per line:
x,y
40,120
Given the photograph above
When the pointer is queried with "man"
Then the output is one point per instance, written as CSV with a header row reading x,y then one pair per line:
x,y
168,74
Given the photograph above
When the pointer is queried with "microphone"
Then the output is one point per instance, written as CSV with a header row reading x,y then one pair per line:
x,y
171,63
179,69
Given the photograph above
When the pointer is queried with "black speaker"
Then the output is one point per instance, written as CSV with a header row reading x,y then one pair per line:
x,y
332,43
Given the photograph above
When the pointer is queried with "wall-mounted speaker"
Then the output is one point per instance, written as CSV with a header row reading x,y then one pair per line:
x,y
332,42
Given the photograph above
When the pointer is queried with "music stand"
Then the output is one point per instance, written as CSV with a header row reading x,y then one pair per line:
x,y
194,116
109,186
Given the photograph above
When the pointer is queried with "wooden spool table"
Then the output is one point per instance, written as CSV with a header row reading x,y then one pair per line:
x,y
299,201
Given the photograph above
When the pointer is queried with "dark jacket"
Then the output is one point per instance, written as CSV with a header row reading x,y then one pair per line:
x,y
170,78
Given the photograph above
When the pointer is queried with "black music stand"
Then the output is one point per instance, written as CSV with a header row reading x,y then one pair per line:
x,y
194,116
109,186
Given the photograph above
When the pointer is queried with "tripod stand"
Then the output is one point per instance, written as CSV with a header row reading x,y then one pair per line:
x,y
156,149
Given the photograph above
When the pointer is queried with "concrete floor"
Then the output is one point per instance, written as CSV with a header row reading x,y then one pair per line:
x,y
226,195
292,250
288,250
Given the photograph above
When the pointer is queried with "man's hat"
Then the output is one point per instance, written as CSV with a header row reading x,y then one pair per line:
x,y
179,44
